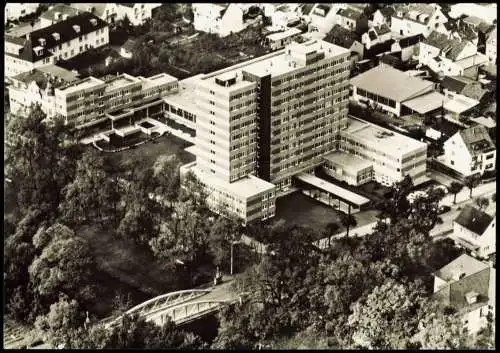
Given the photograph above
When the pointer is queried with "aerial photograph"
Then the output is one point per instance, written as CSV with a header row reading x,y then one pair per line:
x,y
250,176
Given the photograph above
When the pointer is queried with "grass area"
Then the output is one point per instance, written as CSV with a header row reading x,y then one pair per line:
x,y
124,268
145,155
299,209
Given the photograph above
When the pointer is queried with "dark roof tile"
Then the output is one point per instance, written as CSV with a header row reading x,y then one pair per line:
x,y
474,219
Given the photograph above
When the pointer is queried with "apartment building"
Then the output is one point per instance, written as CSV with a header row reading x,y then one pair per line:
x,y
107,12
137,13
89,101
369,152
62,40
263,121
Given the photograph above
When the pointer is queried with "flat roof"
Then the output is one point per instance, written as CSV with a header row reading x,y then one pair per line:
x,y
487,122
282,35
157,80
460,104
348,161
273,64
344,194
245,187
426,102
86,83
186,96
120,81
382,139
390,83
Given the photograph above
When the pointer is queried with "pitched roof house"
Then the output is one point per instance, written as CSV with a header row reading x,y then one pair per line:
x,y
417,18
352,20
468,286
470,151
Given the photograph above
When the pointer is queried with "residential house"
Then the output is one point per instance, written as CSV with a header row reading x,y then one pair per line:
x,y
137,13
376,35
36,87
408,46
280,19
107,11
417,18
126,49
475,230
464,86
450,57
352,20
221,19
491,46
395,92
323,17
57,13
62,40
348,40
382,16
483,32
457,107
467,285
486,12
13,11
470,151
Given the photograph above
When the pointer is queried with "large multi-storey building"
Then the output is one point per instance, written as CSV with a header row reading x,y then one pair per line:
x,y
62,40
272,117
87,102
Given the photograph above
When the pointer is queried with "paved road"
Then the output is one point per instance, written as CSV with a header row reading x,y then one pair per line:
x,y
484,190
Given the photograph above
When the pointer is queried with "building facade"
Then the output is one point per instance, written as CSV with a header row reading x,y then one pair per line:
x,y
15,10
412,19
218,19
62,40
263,121
137,13
470,151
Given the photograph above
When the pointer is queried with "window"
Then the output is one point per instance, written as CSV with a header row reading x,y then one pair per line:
x,y
452,162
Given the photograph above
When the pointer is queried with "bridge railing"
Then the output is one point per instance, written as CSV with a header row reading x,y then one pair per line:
x,y
160,302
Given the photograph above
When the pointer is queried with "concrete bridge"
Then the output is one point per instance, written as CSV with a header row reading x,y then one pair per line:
x,y
182,306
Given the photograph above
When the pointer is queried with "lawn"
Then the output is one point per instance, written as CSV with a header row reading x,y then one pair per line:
x,y
126,268
299,209
146,154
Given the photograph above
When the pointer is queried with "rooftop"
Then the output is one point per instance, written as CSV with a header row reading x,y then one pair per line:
x,y
489,123
464,264
474,219
274,64
94,7
86,83
350,13
456,83
383,29
186,96
120,81
383,139
426,103
391,83
344,194
245,187
460,104
342,37
157,80
59,9
439,40
43,75
348,161
282,35
477,140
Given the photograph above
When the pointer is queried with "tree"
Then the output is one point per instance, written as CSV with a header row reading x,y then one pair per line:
x,y
223,234
93,195
65,265
40,161
482,202
348,221
471,182
423,211
386,318
63,316
455,188
166,173
440,331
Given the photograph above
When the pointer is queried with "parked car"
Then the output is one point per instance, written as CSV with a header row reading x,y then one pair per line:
x,y
443,209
